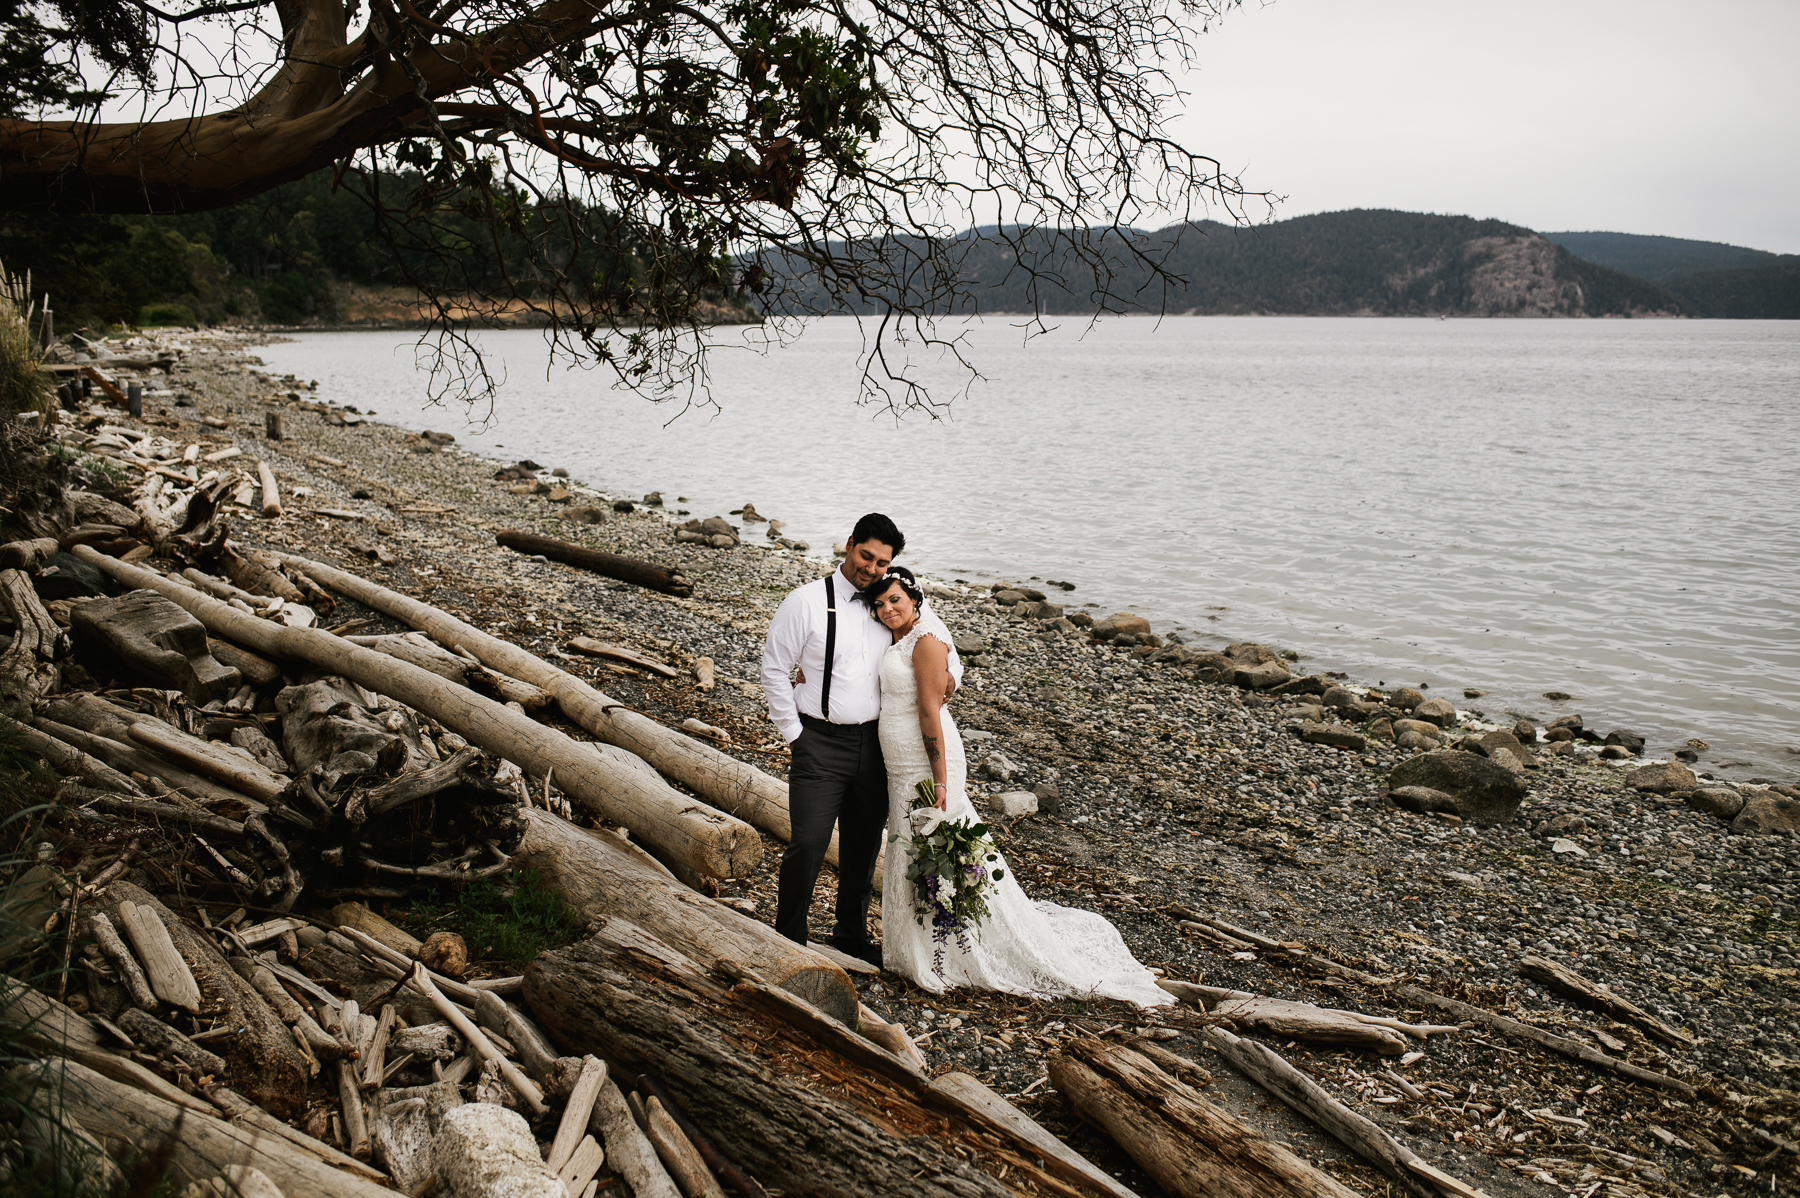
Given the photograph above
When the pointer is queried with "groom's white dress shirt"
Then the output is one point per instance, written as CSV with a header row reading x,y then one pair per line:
x,y
797,638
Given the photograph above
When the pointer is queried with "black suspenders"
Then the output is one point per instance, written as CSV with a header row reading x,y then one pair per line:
x,y
830,648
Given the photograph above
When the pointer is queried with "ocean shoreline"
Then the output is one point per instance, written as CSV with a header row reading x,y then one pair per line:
x,y
1174,792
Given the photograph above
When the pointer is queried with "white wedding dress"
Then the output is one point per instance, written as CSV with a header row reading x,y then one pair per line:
x,y
1024,947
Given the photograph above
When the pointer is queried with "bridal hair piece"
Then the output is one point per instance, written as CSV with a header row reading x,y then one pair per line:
x,y
895,574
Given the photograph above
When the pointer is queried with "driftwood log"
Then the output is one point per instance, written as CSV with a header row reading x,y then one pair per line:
x,y
727,783
131,1123
758,1086
1191,1147
611,565
1570,982
30,662
598,874
699,837
69,761
1291,1020
262,1060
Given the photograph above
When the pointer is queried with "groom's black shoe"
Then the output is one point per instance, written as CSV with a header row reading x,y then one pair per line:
x,y
867,950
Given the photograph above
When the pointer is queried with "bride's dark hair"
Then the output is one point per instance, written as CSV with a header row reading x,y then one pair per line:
x,y
895,574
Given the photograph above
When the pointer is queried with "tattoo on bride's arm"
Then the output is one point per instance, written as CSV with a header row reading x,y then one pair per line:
x,y
931,748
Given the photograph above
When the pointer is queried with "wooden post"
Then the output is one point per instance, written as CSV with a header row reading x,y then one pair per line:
x,y
272,426
134,398
271,493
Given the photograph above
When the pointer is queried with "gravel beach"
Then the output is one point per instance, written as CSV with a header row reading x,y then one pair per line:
x,y
1162,791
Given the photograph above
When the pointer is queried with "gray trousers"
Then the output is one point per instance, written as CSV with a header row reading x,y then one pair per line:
x,y
837,779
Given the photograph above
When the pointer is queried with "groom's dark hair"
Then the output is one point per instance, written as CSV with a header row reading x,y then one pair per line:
x,y
877,527
895,574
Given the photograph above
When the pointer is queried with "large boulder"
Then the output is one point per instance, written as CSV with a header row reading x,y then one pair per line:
x,y
1120,622
1441,712
1430,732
1485,793
1260,677
1250,653
1766,813
1662,778
1721,801
1342,698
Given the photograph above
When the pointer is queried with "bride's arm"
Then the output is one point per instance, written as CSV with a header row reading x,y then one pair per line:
x,y
930,665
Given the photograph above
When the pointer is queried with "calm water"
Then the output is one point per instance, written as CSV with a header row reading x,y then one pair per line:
x,y
1606,508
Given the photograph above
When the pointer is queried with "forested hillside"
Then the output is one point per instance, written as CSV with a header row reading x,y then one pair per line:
x,y
1363,262
1727,282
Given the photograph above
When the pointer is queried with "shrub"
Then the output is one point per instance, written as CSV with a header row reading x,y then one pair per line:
x,y
24,385
162,315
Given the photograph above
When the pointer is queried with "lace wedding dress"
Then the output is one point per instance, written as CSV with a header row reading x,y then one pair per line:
x,y
1024,947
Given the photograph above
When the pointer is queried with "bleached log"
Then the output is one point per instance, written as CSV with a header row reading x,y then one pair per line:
x,y
598,875
69,761
1570,982
527,1090
1267,1069
1058,1156
732,786
630,1151
1291,1020
890,1036
136,985
306,1029
1191,1147
434,1041
271,491
576,1112
497,1015
237,1181
487,1151
200,1145
419,650
581,1166
358,916
702,839
68,1156
102,730
167,973
223,764
30,662
374,1059
678,1155
356,1123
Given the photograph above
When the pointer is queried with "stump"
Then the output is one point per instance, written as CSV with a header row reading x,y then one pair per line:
x,y
155,641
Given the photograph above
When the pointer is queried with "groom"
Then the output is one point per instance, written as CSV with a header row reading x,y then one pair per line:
x,y
829,719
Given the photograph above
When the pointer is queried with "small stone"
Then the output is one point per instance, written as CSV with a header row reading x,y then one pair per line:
x,y
1558,696
1422,799
445,953
1441,712
1014,803
1049,798
1662,778
1567,848
1405,698
721,541
559,495
1335,735
1470,692
1629,740
999,767
1415,740
1615,753
559,472
584,515
1526,732
1120,622
624,505
654,499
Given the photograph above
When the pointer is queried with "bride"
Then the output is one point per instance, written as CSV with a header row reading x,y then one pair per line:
x,y
1023,947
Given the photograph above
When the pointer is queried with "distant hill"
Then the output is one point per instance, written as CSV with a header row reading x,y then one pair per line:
x,y
1362,262
1724,282
1659,259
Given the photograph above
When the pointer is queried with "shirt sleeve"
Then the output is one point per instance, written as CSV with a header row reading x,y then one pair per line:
x,y
781,653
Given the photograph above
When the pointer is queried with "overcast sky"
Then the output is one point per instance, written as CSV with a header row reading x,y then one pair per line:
x,y
1639,117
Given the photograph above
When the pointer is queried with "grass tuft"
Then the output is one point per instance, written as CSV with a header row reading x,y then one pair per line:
x,y
504,924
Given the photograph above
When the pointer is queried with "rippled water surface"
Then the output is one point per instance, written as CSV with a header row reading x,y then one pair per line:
x,y
1605,508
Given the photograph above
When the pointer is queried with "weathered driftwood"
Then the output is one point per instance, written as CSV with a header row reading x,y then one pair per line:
x,y
358,916
148,637
533,1050
157,1036
1567,980
713,1052
402,1126
420,650
1057,1155
1290,1020
701,838
1188,1145
890,1036
69,761
135,759
611,565
30,662
260,574
576,1112
356,1122
307,1032
168,974
67,1156
271,491
629,1150
729,784
592,648
598,875
1264,1067
222,763
130,972
129,1122
524,1087
256,669
29,555
678,1153
262,1059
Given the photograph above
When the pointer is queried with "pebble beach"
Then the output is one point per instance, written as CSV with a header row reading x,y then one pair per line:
x,y
1130,773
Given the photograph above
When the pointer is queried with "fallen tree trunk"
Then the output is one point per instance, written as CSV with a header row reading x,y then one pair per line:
x,y
133,759
599,876
699,837
758,1087
69,761
625,569
1285,1019
727,783
1192,1148
130,1124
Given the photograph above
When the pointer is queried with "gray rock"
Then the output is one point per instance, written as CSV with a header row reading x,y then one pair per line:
x,y
687,536
586,515
999,767
1049,798
1009,598
1526,731
1063,624
1261,676
1335,735
1415,740
1616,753
967,642
1251,653
1561,748
1037,609
1627,739
1441,712
1571,722
1014,803
1429,731
1381,729
1566,824
1559,735
1406,698
1312,684
1081,619
1121,622
1342,699
715,526
1485,793
1423,799
1721,801
624,506
1766,813
721,541
1505,748
1663,778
